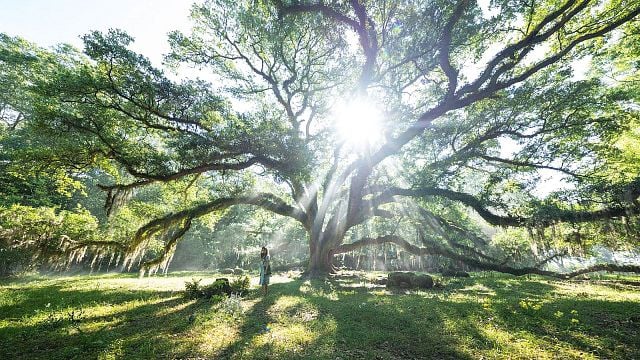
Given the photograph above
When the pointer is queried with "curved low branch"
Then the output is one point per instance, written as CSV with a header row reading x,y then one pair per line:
x,y
117,191
432,249
165,257
398,240
258,159
557,255
181,222
264,200
437,222
464,198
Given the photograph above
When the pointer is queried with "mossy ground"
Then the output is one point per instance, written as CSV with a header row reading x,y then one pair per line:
x,y
486,316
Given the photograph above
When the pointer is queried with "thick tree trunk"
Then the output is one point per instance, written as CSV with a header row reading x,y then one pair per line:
x,y
320,263
320,257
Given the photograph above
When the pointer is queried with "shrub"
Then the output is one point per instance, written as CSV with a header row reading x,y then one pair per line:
x,y
240,285
216,291
218,287
192,289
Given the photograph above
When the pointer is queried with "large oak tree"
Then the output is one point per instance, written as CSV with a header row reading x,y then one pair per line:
x,y
452,83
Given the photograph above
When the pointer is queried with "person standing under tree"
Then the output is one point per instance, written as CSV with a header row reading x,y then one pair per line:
x,y
265,270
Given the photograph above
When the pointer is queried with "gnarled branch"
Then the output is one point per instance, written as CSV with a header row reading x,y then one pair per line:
x,y
544,219
432,249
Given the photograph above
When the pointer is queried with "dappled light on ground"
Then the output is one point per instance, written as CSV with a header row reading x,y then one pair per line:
x,y
479,289
121,316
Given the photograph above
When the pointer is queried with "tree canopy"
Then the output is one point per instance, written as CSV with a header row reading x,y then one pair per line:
x,y
470,105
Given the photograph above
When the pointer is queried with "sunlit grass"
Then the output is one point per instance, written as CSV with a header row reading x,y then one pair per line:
x,y
489,315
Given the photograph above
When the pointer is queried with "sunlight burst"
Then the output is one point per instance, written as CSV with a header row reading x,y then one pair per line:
x,y
358,123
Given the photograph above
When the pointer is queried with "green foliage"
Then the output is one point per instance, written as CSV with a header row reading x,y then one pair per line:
x,y
192,289
216,290
622,160
36,190
49,236
14,261
515,245
456,82
24,224
240,285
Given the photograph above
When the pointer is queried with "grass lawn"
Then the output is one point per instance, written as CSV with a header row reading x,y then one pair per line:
x,y
486,316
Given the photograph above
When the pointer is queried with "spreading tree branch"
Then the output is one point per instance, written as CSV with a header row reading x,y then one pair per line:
x,y
545,219
444,52
264,200
432,249
363,26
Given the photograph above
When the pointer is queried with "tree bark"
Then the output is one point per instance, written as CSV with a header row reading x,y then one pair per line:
x,y
320,257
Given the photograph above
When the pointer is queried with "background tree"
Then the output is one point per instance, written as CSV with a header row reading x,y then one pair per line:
x,y
453,82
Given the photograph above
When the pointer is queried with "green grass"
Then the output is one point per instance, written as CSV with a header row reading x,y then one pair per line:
x,y
485,316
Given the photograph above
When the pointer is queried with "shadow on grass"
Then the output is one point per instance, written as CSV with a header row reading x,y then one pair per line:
x,y
336,319
256,323
327,321
607,329
601,327
321,319
129,323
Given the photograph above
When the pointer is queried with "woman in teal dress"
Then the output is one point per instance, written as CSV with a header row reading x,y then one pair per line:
x,y
265,270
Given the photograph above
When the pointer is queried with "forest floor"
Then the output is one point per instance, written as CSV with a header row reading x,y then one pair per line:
x,y
112,316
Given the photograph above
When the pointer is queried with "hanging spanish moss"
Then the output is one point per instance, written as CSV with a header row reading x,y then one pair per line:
x,y
117,197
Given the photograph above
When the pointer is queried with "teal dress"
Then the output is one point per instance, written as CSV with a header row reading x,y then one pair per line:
x,y
264,278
